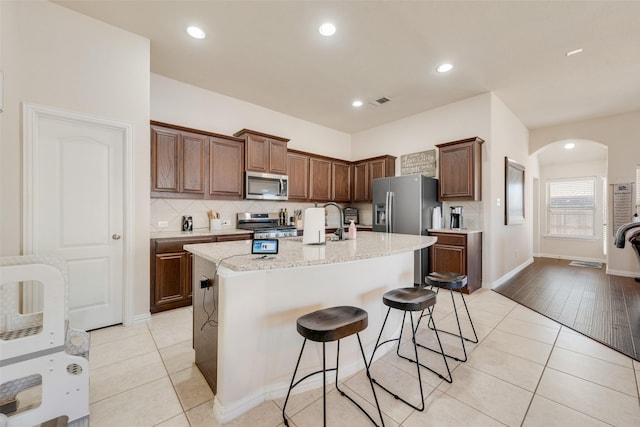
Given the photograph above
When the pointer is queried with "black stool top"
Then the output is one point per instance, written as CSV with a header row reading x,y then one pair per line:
x,y
409,299
333,323
446,280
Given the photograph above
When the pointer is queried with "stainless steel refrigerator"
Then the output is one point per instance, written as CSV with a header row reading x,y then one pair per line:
x,y
404,204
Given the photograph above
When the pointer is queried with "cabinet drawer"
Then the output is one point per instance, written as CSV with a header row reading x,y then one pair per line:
x,y
164,246
450,239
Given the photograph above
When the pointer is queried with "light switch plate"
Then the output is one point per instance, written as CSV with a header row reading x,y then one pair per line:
x,y
163,224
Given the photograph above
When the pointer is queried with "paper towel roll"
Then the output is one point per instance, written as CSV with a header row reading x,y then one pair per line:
x,y
436,221
313,226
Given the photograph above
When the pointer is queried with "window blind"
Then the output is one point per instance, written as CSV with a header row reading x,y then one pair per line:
x,y
571,207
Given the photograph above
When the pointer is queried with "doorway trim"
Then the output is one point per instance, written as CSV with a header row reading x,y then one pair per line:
x,y
31,115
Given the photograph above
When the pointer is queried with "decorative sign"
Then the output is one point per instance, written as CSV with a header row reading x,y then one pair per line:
x,y
622,211
423,163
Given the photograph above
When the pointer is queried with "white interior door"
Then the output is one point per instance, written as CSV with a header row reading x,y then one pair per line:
x,y
75,210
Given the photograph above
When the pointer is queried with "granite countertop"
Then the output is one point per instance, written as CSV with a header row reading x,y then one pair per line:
x,y
202,232
454,230
292,253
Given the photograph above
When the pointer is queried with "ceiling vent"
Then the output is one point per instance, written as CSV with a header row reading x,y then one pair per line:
x,y
382,100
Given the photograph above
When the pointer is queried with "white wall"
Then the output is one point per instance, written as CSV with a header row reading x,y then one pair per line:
x,y
56,57
186,105
581,249
508,246
620,134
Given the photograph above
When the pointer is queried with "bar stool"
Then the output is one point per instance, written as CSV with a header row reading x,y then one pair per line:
x,y
410,300
452,282
331,324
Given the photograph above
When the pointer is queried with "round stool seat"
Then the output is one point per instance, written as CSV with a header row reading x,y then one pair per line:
x,y
333,323
409,299
446,280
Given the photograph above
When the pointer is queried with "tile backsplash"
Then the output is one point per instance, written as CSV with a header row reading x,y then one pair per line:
x,y
172,210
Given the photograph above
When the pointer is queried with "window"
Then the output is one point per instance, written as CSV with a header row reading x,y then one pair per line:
x,y
571,207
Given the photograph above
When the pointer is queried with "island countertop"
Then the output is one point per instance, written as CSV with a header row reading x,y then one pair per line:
x,y
292,253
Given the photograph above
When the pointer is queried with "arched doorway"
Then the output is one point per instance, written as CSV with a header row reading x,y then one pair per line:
x,y
570,200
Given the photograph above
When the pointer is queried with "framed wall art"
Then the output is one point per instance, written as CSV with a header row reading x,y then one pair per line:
x,y
513,192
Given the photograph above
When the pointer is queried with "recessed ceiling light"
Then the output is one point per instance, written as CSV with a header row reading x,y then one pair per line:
x,y
569,146
357,103
574,52
196,33
327,29
444,68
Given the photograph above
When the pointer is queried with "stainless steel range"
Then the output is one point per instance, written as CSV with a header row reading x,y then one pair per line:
x,y
265,225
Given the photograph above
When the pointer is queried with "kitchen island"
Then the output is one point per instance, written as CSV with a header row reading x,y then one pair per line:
x,y
245,323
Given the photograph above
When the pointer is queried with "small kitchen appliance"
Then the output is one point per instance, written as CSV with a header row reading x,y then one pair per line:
x,y
265,225
456,217
351,214
187,223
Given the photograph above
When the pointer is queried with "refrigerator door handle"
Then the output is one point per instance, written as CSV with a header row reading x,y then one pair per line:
x,y
386,212
390,213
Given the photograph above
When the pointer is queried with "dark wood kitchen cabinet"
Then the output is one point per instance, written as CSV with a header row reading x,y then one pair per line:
x,y
298,172
365,171
458,253
319,179
341,181
460,170
195,164
178,163
264,153
226,168
171,279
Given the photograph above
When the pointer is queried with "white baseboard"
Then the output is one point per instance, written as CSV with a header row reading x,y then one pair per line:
x,y
622,273
507,276
140,318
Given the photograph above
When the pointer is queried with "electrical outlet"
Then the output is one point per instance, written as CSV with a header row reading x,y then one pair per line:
x,y
163,224
226,222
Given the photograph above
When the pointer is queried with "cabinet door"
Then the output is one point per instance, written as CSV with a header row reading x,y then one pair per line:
x,y
447,258
460,170
319,179
361,182
277,157
165,173
169,290
298,172
192,163
257,154
340,181
456,172
226,159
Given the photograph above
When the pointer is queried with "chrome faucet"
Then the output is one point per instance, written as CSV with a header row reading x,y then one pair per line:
x,y
340,231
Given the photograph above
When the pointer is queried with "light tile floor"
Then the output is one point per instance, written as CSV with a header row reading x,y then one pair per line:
x,y
526,371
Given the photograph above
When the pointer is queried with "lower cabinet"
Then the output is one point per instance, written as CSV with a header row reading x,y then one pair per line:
x,y
458,253
171,279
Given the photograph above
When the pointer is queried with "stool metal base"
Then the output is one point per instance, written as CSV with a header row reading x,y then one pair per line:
x,y
324,371
417,359
431,325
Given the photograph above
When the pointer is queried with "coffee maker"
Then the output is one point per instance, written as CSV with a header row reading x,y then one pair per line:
x,y
456,217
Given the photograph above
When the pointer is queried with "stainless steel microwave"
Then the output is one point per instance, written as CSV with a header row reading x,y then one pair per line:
x,y
266,186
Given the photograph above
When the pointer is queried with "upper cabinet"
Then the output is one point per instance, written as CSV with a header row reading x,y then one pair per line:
x,y
188,163
264,153
298,172
319,179
341,181
460,169
178,161
226,160
365,171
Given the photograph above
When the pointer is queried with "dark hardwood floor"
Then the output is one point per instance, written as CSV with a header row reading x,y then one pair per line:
x,y
603,307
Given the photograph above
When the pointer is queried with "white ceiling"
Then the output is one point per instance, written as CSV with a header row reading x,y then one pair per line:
x,y
270,53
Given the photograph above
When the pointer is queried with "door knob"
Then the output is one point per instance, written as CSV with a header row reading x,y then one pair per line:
x,y
115,236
